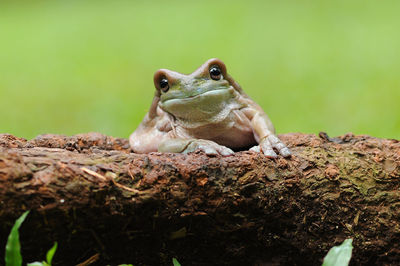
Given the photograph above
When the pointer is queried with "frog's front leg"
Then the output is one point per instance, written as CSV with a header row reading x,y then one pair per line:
x,y
264,132
181,145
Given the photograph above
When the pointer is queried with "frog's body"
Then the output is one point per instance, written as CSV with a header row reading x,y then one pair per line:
x,y
205,110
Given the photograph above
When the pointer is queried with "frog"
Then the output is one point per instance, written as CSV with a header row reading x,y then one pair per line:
x,y
206,111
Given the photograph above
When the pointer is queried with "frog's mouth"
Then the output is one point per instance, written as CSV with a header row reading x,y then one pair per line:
x,y
186,95
198,105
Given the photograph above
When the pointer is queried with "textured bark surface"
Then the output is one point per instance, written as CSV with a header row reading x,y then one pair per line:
x,y
93,196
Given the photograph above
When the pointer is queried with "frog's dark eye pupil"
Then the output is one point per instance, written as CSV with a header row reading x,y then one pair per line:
x,y
164,85
215,73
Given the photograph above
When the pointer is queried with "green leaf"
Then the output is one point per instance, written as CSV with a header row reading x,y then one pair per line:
x,y
50,253
339,255
37,263
13,247
175,262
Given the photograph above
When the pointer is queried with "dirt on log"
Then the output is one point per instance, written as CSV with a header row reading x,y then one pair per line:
x,y
106,205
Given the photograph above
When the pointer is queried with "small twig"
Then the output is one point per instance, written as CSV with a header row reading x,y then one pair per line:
x,y
129,171
103,178
125,187
90,260
93,173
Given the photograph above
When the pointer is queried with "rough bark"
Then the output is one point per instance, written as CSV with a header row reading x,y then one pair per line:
x,y
93,196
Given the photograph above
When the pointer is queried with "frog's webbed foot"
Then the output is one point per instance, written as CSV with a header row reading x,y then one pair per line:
x,y
209,147
268,144
191,145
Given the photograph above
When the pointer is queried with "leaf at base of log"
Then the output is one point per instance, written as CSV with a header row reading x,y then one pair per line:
x,y
92,196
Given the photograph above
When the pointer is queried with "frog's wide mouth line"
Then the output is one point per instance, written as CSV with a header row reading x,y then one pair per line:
x,y
198,94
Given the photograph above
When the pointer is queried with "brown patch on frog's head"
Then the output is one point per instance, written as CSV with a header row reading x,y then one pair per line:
x,y
207,69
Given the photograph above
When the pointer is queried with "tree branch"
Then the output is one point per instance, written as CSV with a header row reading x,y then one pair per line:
x,y
93,196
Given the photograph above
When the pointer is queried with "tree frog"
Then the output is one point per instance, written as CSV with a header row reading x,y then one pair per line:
x,y
206,110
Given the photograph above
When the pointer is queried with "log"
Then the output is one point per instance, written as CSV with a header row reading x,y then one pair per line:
x,y
106,205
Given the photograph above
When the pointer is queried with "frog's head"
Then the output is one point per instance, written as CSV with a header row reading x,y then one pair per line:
x,y
196,96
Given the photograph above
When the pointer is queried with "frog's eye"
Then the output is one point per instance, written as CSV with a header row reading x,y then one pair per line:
x,y
215,73
164,85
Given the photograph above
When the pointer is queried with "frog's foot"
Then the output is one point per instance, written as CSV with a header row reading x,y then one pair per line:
x,y
268,144
191,145
209,147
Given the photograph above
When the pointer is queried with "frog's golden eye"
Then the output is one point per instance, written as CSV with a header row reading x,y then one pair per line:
x,y
215,73
164,85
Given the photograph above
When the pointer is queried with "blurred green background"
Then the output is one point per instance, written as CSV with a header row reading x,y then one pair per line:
x,y
70,67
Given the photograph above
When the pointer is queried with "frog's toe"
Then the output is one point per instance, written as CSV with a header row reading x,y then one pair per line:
x,y
209,148
278,144
270,153
255,149
225,151
215,149
285,152
267,149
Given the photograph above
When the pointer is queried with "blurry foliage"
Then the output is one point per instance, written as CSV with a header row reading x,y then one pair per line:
x,y
175,262
13,247
339,255
49,257
13,255
69,67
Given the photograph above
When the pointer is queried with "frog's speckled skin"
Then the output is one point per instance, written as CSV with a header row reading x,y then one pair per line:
x,y
206,112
